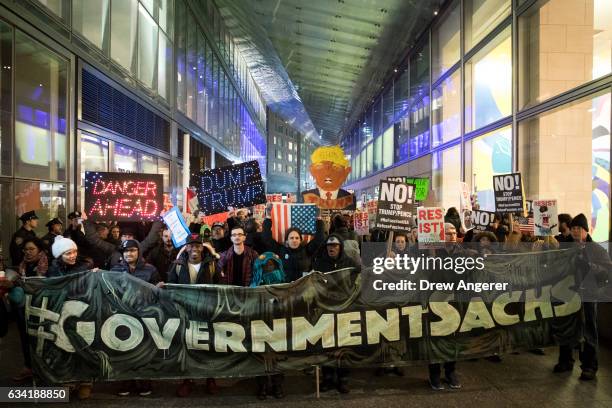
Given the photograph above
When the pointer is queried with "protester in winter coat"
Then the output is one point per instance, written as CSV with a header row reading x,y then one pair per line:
x,y
254,237
452,216
112,252
593,268
197,265
331,257
268,270
67,261
296,256
565,235
133,262
163,255
220,241
236,263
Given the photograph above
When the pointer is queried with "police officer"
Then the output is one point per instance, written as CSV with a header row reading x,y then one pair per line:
x,y
55,229
29,221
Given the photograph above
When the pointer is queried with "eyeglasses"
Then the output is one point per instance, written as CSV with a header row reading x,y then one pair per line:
x,y
239,234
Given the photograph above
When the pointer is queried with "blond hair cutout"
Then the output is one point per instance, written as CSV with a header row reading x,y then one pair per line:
x,y
333,154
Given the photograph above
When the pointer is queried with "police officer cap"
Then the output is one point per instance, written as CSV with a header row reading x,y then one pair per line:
x,y
53,222
27,216
74,214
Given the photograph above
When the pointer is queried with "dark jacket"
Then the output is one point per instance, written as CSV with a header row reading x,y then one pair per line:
x,y
143,270
295,261
48,240
111,252
162,259
179,270
16,247
221,244
226,266
59,268
455,220
323,263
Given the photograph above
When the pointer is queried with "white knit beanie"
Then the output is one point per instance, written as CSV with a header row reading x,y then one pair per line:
x,y
62,245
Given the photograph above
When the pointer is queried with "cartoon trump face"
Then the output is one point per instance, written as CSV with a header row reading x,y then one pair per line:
x,y
330,168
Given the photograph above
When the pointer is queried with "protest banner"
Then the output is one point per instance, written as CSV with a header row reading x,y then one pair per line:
x,y
361,223
509,197
105,326
123,196
177,225
219,217
545,218
372,209
465,207
236,186
525,222
480,219
259,212
430,226
395,204
291,198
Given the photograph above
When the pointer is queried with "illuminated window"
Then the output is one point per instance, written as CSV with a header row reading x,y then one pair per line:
x,y
486,156
488,83
147,47
445,110
481,17
565,154
445,43
562,45
90,19
446,175
124,14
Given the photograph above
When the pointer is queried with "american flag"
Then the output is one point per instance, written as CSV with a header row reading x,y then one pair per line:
x,y
525,224
284,216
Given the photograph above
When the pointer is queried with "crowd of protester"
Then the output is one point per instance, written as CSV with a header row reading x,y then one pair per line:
x,y
241,252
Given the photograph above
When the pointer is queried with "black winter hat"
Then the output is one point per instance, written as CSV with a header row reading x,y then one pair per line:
x,y
580,221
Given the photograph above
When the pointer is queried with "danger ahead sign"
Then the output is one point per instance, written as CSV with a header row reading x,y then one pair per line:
x,y
395,204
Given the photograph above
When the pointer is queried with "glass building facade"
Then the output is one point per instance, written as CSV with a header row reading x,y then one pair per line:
x,y
495,86
114,85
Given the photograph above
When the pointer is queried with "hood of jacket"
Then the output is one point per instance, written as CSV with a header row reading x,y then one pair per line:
x,y
267,278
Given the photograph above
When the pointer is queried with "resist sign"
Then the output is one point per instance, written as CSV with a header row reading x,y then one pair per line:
x,y
123,196
394,211
509,196
431,225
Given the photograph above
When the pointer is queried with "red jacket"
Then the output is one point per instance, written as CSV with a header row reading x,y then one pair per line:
x,y
226,266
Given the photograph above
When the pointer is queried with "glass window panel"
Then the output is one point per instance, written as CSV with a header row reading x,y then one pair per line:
x,y
486,156
123,33
94,157
57,7
165,16
125,159
47,199
488,83
363,169
387,148
147,163
41,98
387,108
369,159
562,45
147,48
445,46
149,5
481,17
419,127
164,69
181,92
377,118
192,68
6,99
402,134
90,19
201,80
377,153
401,92
565,154
446,175
445,109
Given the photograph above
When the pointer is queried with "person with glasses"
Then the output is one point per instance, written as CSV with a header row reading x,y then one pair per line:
x,y
236,263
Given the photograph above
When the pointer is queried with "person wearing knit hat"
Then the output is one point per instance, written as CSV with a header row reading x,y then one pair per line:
x,y
67,260
593,267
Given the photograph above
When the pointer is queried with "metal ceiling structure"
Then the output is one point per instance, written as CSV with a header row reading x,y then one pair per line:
x,y
318,62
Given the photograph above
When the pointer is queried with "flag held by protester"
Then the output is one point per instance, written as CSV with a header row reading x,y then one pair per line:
x,y
284,216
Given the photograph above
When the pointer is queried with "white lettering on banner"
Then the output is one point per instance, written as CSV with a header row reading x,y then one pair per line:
x,y
108,333
438,318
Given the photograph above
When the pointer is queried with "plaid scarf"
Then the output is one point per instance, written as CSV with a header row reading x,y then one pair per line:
x,y
42,264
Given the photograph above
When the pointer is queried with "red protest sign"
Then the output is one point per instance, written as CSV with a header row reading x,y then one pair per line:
x,y
123,196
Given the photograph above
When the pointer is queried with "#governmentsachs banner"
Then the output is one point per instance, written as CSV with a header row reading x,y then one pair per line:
x,y
111,326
